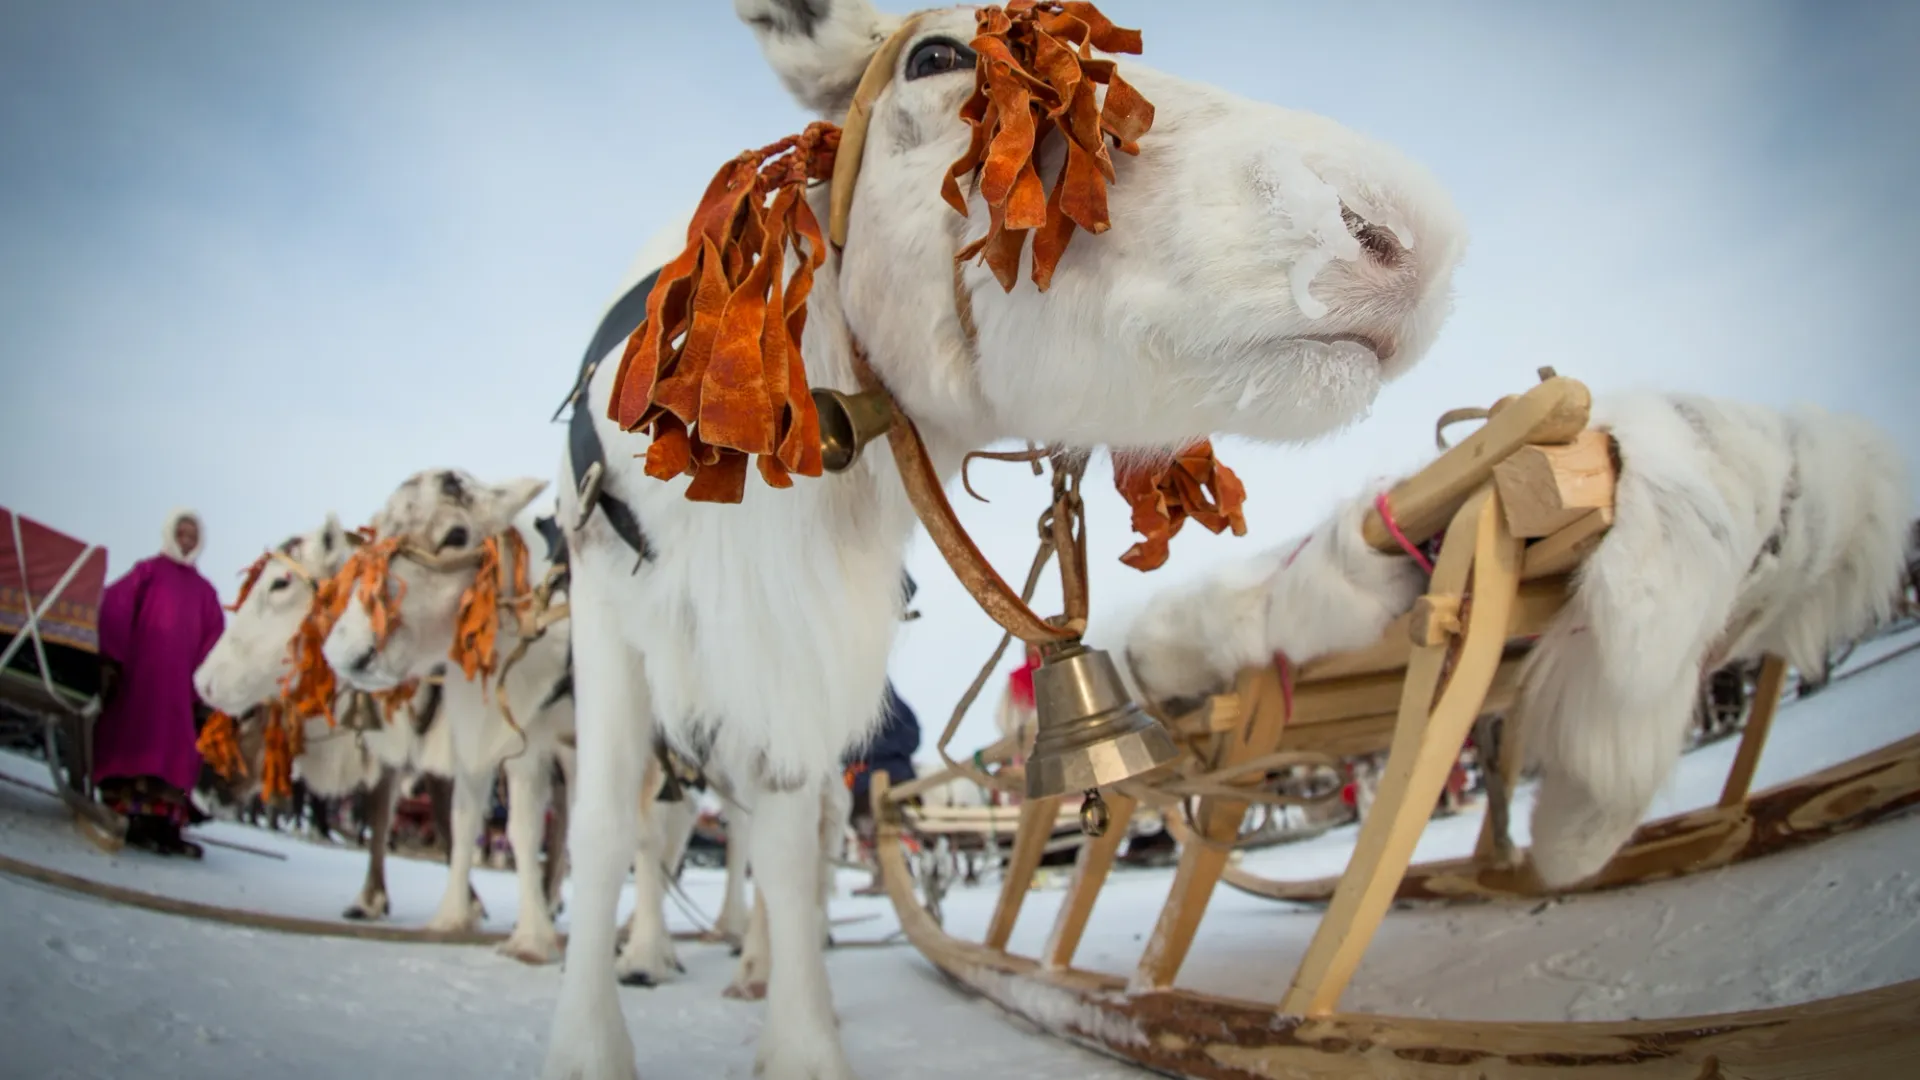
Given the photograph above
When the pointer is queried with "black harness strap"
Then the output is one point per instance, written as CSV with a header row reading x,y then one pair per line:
x,y
583,441
557,555
429,711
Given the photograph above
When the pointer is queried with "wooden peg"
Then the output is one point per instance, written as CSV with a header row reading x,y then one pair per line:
x,y
1435,619
1543,489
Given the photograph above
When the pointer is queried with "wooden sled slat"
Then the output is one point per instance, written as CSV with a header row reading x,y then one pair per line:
x,y
1849,796
1863,1036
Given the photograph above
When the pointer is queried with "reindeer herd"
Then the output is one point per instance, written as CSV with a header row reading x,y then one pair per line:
x,y
1262,272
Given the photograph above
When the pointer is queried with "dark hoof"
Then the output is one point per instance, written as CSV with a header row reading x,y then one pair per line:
x,y
736,950
356,913
638,978
753,991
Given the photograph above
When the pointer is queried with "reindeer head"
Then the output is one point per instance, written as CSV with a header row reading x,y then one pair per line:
x,y
428,537
1265,273
248,662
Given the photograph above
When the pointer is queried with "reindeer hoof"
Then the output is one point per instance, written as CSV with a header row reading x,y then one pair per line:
x,y
529,953
638,978
750,991
736,950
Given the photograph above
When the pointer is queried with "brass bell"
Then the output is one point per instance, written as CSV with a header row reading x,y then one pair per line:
x,y
848,422
1090,733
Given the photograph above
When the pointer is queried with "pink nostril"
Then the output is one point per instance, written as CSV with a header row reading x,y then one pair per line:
x,y
1379,243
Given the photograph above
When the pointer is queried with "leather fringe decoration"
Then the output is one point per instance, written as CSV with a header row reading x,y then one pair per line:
x,y
366,577
1163,499
283,744
392,701
715,373
310,687
249,578
219,746
1035,76
503,564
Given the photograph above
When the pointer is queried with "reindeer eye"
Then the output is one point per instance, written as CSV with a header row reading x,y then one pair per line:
x,y
937,56
279,583
456,537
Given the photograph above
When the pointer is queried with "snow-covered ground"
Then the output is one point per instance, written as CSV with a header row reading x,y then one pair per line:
x,y
92,989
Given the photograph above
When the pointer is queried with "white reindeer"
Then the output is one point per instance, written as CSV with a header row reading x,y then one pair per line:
x,y
245,669
445,516
1231,294
1738,531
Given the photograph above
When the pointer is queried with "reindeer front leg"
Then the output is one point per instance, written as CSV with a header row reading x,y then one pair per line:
x,y
754,950
734,912
801,1040
529,788
458,910
648,957
372,902
613,721
556,869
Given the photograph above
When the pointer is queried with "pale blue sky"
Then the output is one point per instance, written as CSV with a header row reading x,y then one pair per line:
x,y
268,259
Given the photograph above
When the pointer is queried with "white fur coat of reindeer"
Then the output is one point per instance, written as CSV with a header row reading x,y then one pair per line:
x,y
516,724
1738,531
1265,273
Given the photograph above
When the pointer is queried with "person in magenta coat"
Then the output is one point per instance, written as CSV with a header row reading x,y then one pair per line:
x,y
157,622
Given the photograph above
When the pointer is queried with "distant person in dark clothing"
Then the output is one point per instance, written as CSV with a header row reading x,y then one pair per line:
x,y
891,749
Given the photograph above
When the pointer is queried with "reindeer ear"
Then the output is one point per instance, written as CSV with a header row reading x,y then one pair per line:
x,y
505,501
333,538
819,48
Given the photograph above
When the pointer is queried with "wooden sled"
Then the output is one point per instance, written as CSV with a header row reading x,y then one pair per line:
x,y
1418,692
50,589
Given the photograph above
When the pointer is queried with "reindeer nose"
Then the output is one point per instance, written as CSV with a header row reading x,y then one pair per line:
x,y
1377,242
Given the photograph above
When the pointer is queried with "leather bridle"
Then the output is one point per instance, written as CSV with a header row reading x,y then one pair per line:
x,y
915,465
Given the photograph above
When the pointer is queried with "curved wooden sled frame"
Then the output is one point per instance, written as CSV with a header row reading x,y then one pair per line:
x,y
1532,472
1181,1033
1848,796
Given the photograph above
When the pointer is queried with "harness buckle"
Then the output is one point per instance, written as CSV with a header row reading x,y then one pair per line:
x,y
589,494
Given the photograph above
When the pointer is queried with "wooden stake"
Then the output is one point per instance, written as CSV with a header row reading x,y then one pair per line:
x,y
1426,744
1029,844
1543,489
1218,821
1560,553
1766,700
1089,874
1553,412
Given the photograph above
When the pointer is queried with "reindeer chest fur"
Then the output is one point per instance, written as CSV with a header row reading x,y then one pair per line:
x,y
766,625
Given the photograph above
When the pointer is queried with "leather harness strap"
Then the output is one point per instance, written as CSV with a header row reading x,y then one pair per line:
x,y
584,449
